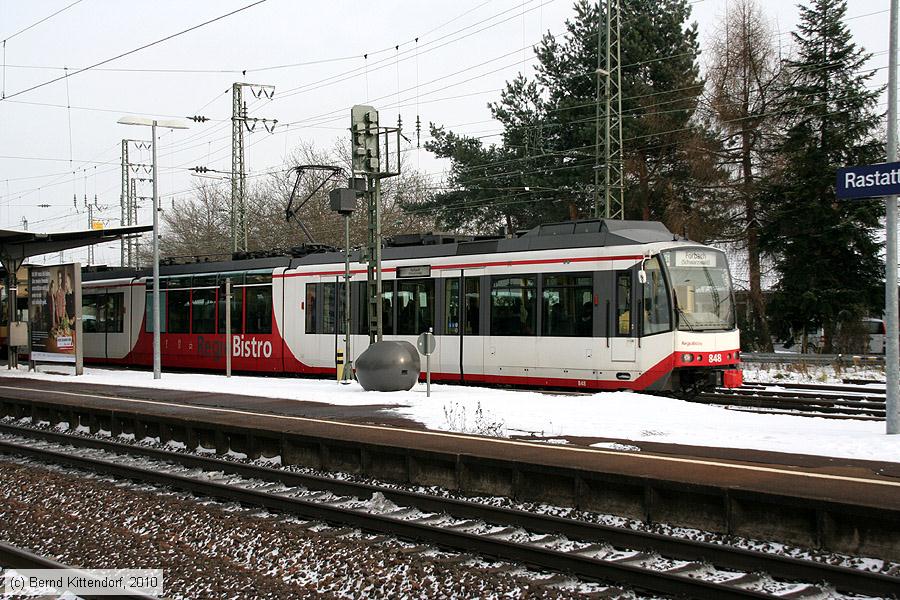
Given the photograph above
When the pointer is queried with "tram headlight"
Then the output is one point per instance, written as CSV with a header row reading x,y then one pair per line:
x,y
687,357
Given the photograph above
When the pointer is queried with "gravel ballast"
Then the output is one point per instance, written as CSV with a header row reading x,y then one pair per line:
x,y
213,550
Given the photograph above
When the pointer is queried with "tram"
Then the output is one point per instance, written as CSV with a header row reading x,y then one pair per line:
x,y
595,305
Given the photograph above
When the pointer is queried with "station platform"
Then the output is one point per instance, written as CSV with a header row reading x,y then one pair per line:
x,y
859,483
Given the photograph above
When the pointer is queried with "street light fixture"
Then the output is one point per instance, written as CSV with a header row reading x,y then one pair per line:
x,y
168,124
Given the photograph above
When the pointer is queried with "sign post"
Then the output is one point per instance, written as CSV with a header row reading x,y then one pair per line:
x,y
228,327
426,345
874,181
884,180
343,202
892,351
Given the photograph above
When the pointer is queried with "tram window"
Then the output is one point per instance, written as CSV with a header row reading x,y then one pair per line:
x,y
90,313
332,307
360,296
259,308
513,305
415,306
176,282
114,312
203,281
259,278
656,300
329,304
203,311
148,311
237,302
312,290
387,307
21,308
178,305
451,306
341,305
623,304
567,305
473,306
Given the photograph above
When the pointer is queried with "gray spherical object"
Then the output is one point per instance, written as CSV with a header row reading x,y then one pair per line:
x,y
388,366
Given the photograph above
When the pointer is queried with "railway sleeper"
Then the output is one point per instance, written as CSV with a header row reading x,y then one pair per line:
x,y
822,525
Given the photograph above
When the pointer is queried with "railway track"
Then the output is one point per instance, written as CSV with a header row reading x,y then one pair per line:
x,y
14,557
829,401
616,556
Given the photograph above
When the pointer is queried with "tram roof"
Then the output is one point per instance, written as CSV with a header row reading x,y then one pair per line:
x,y
552,236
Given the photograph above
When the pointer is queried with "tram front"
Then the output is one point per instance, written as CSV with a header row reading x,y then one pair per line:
x,y
707,341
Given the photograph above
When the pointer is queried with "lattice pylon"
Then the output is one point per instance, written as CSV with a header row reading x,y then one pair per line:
x,y
611,171
238,177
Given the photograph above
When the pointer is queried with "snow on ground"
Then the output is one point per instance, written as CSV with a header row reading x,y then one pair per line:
x,y
624,416
812,374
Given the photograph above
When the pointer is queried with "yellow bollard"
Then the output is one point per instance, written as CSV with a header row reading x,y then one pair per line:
x,y
339,361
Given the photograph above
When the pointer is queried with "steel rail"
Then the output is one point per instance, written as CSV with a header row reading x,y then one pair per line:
x,y
823,387
14,557
582,566
805,405
829,401
820,359
850,398
842,578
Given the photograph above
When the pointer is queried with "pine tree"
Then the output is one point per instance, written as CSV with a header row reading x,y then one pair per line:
x,y
826,252
542,170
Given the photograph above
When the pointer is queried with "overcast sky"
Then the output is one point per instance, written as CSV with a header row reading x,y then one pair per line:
x,y
312,52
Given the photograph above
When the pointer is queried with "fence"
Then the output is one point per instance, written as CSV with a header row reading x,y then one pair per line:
x,y
813,359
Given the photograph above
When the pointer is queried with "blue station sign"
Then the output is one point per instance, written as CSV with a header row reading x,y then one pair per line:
x,y
869,181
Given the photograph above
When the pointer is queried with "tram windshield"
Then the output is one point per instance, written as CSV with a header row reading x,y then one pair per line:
x,y
702,286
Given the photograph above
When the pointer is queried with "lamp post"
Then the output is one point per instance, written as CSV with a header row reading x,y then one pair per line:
x,y
153,123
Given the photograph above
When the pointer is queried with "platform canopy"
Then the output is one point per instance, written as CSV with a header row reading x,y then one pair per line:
x,y
16,246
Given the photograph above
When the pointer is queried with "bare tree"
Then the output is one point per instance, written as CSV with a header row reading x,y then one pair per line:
x,y
742,83
399,196
200,226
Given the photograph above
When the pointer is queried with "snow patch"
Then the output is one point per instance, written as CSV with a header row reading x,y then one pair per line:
x,y
625,416
616,446
380,504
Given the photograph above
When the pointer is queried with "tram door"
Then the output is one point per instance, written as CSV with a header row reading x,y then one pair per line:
x,y
462,344
623,331
331,320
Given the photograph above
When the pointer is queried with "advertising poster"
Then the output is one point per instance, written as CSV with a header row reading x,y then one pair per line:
x,y
54,312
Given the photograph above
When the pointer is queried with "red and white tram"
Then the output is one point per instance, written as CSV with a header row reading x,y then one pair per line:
x,y
588,304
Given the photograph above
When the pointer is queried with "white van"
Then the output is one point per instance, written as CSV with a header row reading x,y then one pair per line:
x,y
875,330
877,335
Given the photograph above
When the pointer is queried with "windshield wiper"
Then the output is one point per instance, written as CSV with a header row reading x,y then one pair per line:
x,y
680,311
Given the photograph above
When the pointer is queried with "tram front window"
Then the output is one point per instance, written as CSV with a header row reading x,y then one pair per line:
x,y
702,285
